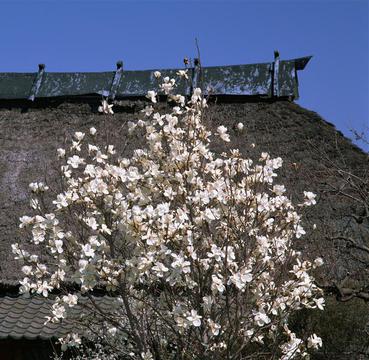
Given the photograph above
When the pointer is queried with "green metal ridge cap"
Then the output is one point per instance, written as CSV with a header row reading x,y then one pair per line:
x,y
300,63
244,79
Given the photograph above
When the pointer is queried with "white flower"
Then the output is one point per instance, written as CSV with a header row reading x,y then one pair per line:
x,y
157,74
240,126
59,246
261,318
105,229
291,349
27,270
309,198
182,73
88,250
241,278
25,286
70,299
162,209
43,288
58,311
111,150
79,135
180,99
181,264
25,221
105,108
211,214
82,263
61,201
279,189
318,262
299,231
214,327
35,204
60,152
75,340
160,269
92,223
222,132
167,85
194,319
147,356
217,283
152,96
75,161
196,96
70,340
112,331
93,131
148,110
320,303
314,342
38,187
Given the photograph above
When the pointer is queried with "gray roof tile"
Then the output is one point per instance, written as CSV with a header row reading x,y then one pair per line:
x,y
22,317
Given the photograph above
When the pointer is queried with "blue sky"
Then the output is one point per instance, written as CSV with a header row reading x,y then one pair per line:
x,y
90,35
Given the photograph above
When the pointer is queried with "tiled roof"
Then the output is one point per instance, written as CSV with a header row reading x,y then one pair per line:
x,y
24,318
271,79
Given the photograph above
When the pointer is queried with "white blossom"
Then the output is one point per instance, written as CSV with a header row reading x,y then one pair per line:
x,y
214,327
319,303
106,108
75,161
261,318
60,152
318,262
27,270
152,96
309,198
88,250
196,96
194,319
182,73
314,342
222,132
79,135
70,299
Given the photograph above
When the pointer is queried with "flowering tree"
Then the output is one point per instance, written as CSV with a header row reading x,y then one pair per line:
x,y
194,247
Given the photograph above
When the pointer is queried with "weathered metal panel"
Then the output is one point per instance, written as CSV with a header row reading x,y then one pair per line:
x,y
287,82
254,79
37,82
16,85
300,63
138,83
81,83
116,81
265,80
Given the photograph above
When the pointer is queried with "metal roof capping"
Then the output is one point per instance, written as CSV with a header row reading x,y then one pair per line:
x,y
266,80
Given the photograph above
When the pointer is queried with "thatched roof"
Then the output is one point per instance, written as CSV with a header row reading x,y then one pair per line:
x,y
28,141
30,136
